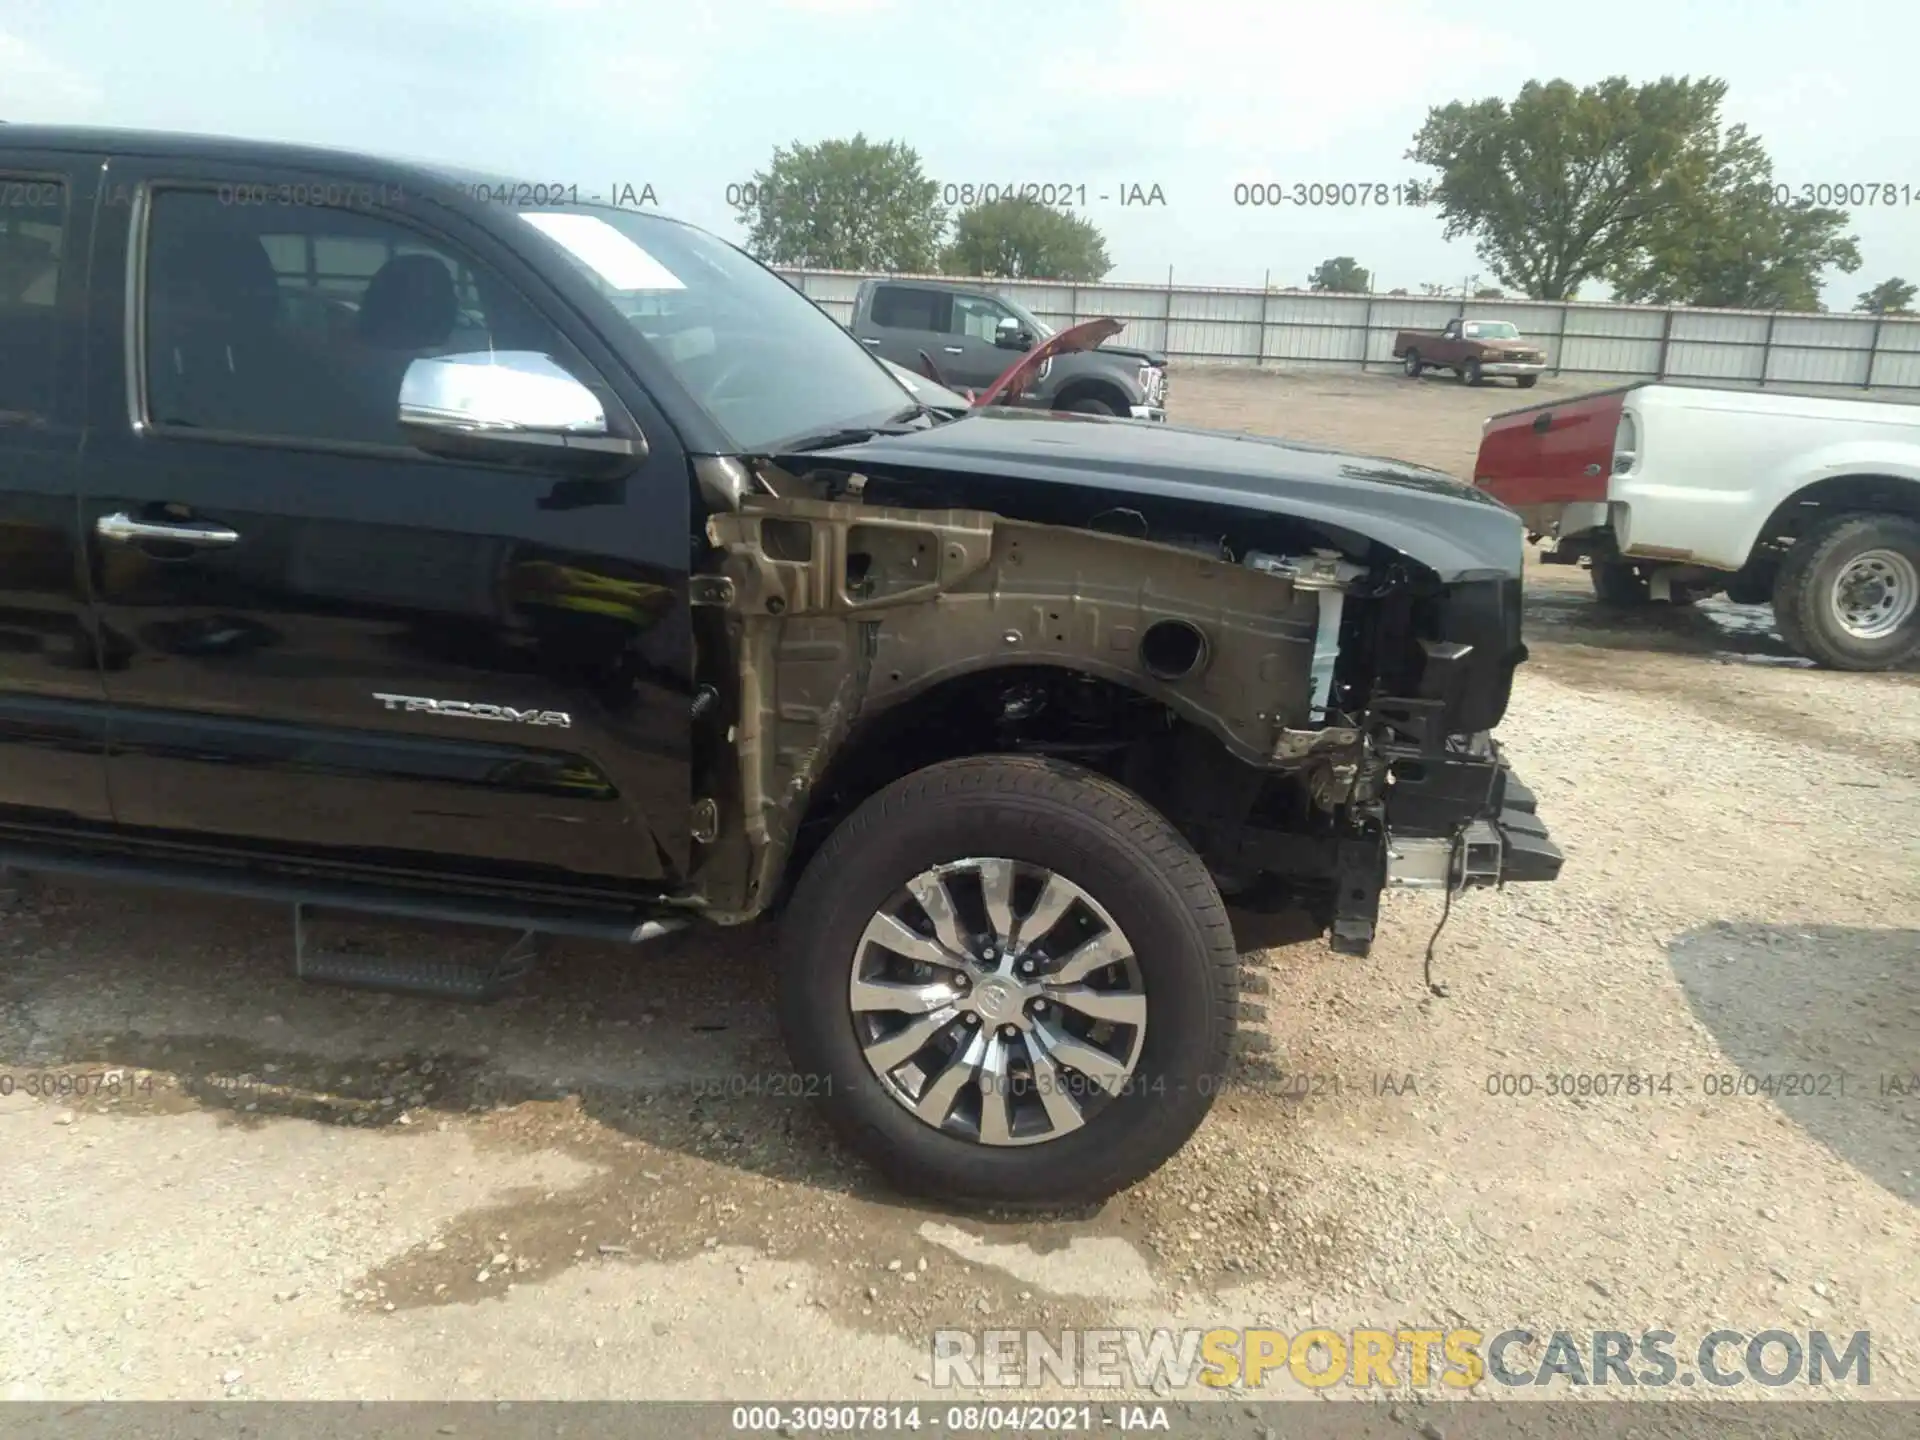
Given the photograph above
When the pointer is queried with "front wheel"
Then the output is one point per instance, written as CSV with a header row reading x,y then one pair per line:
x,y
1526,382
1089,406
1011,982
1847,595
1469,372
1411,364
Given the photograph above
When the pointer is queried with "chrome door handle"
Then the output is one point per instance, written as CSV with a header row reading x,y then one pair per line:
x,y
869,342
1593,469
956,350
123,529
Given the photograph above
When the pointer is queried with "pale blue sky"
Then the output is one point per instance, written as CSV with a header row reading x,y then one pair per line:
x,y
1193,96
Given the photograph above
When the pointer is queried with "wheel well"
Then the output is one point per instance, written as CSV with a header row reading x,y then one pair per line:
x,y
1104,390
1022,709
1807,507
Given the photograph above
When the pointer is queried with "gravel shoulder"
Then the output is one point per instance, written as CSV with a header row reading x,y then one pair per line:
x,y
600,1189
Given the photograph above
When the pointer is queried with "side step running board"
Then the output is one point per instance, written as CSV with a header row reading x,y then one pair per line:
x,y
447,979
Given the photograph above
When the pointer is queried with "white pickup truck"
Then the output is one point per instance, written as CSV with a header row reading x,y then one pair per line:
x,y
1669,493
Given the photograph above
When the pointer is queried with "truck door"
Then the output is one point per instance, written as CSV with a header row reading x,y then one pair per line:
x,y
907,319
976,319
53,713
325,639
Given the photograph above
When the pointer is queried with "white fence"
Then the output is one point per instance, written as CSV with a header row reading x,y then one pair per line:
x,y
1295,330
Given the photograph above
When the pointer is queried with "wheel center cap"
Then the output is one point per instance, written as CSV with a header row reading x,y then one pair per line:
x,y
997,1001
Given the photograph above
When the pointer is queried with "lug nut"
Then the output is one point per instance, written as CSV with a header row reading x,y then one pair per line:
x,y
1039,1007
1010,1031
990,953
1027,967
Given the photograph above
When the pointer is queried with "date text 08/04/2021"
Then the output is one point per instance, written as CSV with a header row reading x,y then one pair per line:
x,y
1061,194
1044,1419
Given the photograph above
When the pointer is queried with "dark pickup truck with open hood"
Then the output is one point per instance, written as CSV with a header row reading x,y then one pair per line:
x,y
971,335
414,542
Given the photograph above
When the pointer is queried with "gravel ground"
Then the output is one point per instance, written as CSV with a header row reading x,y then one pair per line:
x,y
309,1193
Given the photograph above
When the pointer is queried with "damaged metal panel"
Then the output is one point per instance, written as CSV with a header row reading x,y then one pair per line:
x,y
844,609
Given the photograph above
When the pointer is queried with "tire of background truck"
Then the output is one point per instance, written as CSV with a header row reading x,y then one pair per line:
x,y
1469,373
1847,595
1087,405
1617,583
1526,382
1411,364
1117,1039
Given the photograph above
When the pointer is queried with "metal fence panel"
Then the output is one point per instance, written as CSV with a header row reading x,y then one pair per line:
x,y
1298,329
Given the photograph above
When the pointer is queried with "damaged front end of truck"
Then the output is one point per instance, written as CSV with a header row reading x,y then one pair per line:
x,y
1296,656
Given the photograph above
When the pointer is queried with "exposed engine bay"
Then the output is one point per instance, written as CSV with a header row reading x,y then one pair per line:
x,y
1312,715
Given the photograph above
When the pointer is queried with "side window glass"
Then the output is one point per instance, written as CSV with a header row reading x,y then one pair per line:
x,y
33,221
977,316
902,307
300,321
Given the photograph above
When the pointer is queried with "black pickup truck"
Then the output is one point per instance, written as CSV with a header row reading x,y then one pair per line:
x,y
410,541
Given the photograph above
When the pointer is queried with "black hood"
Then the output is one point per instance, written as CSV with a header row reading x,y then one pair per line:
x,y
1427,515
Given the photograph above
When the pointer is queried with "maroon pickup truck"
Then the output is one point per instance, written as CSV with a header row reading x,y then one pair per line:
x,y
1473,350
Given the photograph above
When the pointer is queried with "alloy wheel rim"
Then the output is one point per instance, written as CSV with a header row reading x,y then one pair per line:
x,y
1875,594
998,1002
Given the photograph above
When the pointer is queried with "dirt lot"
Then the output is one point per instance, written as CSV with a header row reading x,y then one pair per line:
x,y
310,1193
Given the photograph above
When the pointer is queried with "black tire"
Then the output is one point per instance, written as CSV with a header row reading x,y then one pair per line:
x,y
1411,365
1526,382
1117,849
1088,405
1804,592
1617,584
1469,372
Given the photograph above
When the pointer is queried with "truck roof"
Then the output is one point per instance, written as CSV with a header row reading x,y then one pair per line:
x,y
235,150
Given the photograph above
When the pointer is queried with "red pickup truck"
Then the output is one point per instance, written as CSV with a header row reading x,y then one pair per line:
x,y
1473,350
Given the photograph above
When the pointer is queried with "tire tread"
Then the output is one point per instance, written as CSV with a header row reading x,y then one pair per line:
x,y
1039,784
1796,607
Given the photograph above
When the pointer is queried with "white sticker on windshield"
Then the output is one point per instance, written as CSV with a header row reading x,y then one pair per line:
x,y
606,252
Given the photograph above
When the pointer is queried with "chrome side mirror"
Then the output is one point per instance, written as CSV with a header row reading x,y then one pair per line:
x,y
505,402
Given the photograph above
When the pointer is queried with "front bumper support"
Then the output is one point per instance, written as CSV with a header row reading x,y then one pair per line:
x,y
1505,841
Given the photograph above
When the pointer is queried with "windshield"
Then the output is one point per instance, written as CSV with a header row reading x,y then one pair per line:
x,y
1493,330
760,358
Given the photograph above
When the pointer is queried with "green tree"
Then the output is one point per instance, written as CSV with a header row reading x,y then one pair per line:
x,y
1727,241
1018,238
1890,297
1342,273
844,205
1618,180
1489,293
1397,292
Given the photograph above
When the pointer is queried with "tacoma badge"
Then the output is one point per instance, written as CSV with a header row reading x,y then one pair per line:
x,y
475,712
